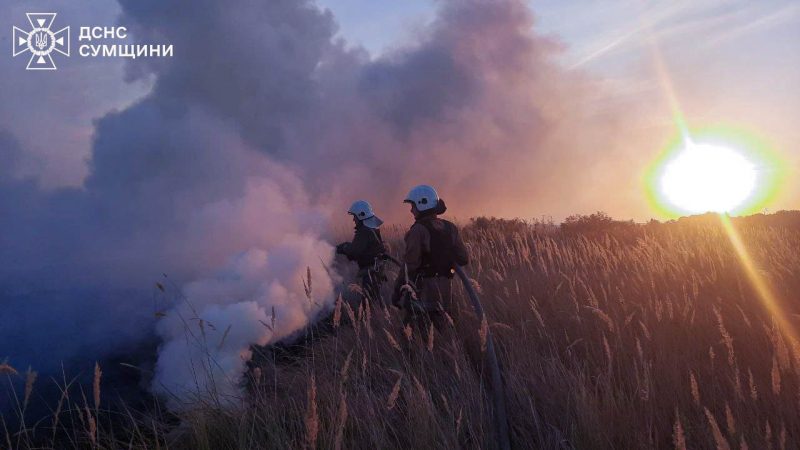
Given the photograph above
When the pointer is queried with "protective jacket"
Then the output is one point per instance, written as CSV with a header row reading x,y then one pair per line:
x,y
366,246
433,249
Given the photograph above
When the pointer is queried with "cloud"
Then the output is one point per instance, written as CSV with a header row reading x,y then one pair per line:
x,y
249,62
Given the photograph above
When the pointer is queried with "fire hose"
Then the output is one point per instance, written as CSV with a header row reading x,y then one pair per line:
x,y
498,389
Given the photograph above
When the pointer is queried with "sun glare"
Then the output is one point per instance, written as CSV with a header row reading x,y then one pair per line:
x,y
718,169
708,178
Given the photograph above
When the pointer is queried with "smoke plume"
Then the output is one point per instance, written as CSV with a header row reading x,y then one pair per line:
x,y
256,136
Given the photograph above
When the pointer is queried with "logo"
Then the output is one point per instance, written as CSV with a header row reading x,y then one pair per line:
x,y
93,42
41,41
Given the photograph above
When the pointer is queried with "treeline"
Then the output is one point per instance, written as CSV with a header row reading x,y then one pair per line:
x,y
600,222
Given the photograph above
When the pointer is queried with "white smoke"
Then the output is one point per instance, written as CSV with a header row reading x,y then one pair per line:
x,y
260,297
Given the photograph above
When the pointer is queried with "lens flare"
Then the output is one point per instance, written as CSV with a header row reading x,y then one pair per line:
x,y
714,170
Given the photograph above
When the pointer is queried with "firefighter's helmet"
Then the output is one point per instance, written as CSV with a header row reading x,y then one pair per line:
x,y
362,211
424,197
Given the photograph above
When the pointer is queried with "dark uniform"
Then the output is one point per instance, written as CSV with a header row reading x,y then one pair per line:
x,y
366,250
433,249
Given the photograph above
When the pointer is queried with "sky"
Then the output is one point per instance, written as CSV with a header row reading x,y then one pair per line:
x,y
730,61
230,165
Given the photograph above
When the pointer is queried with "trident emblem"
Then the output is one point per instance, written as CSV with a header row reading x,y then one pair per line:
x,y
41,41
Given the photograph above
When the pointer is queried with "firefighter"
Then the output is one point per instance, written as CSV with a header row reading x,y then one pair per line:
x,y
433,249
366,249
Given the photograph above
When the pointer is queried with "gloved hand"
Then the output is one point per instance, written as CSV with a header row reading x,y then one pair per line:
x,y
402,295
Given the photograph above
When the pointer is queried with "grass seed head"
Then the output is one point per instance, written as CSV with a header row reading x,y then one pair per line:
x,y
394,394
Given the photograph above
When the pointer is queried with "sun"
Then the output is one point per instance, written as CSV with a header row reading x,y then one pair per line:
x,y
720,168
708,178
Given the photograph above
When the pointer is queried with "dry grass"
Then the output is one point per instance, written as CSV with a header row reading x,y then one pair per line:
x,y
644,337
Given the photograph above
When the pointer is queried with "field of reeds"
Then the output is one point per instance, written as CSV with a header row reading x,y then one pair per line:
x,y
624,336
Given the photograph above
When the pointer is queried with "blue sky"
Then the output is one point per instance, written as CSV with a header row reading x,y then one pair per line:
x,y
602,35
730,45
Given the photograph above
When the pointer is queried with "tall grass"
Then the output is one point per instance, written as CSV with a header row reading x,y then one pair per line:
x,y
641,337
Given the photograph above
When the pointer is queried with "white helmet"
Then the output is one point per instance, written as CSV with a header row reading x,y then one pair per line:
x,y
423,196
362,211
